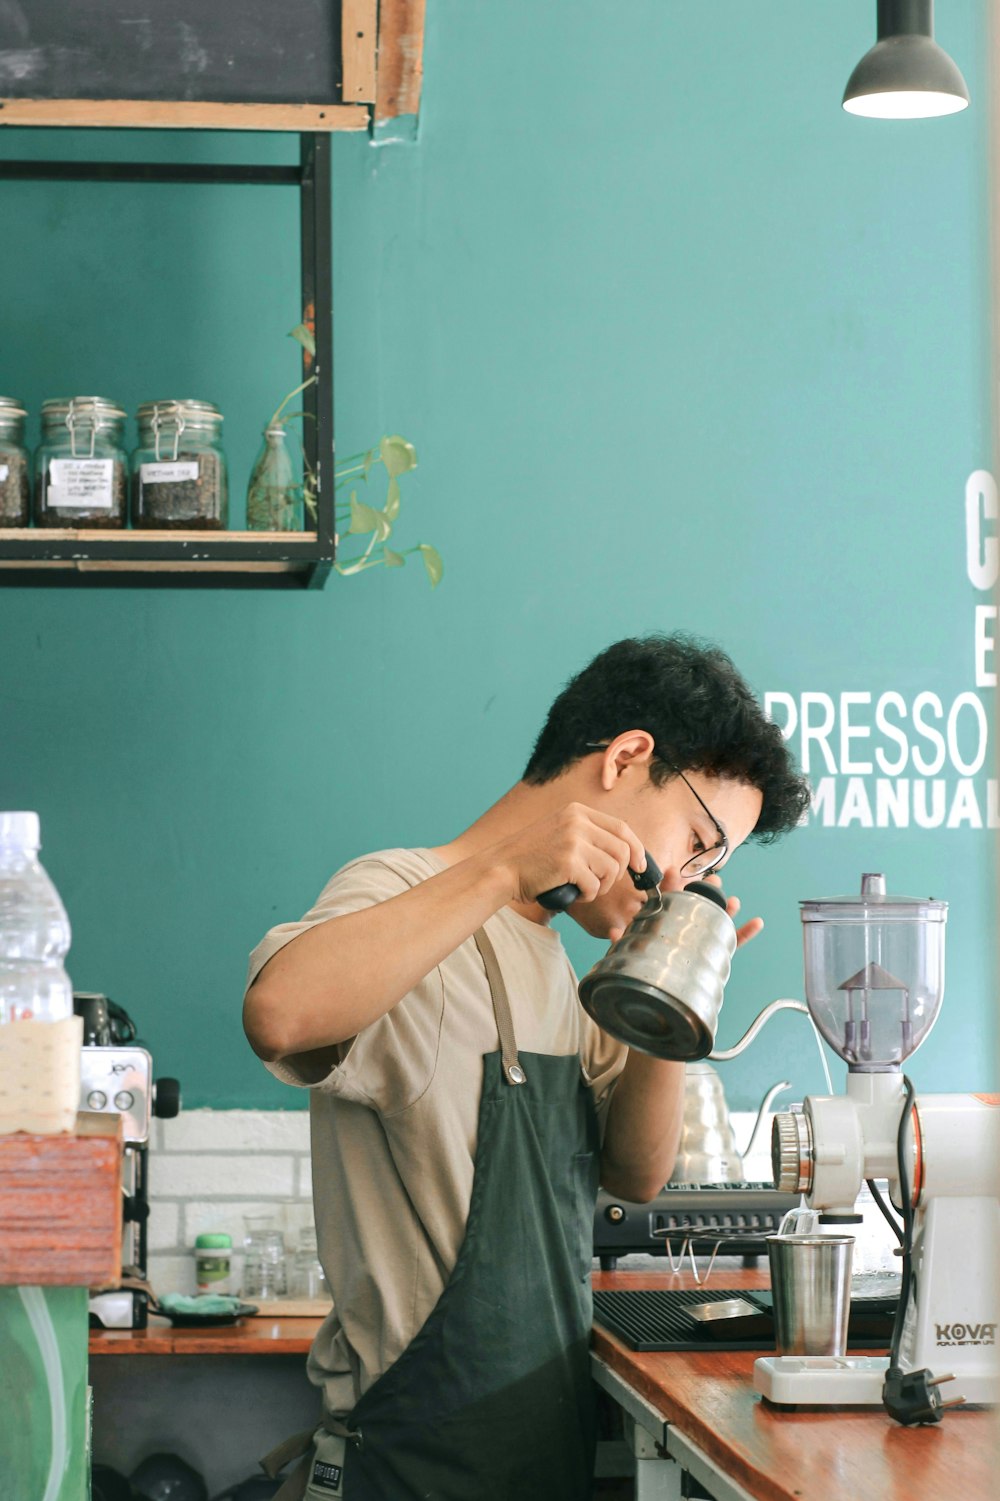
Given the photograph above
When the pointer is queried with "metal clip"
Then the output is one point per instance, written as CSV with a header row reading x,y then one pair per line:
x,y
173,419
71,421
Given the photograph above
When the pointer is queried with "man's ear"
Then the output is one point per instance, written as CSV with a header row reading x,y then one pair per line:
x,y
627,752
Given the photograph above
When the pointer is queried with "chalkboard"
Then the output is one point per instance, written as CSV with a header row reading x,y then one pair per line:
x,y
185,52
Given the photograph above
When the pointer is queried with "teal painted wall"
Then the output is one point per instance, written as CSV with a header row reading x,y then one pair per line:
x,y
680,345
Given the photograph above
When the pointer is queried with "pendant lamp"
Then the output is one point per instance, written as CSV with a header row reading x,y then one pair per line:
x,y
906,75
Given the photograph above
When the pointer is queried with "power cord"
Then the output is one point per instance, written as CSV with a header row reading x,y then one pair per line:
x,y
890,1218
123,1028
908,1396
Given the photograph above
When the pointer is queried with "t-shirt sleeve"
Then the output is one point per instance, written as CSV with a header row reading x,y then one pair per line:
x,y
389,1064
602,1059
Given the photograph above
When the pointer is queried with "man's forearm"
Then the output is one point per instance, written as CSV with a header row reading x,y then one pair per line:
x,y
644,1127
340,976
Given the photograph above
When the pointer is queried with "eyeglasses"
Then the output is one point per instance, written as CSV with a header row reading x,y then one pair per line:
x,y
707,860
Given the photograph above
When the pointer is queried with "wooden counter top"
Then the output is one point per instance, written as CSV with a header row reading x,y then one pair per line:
x,y
252,1336
806,1453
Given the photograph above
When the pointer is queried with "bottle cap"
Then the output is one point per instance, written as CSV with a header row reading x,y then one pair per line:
x,y
210,1242
19,831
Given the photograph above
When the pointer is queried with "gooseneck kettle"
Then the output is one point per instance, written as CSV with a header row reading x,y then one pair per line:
x,y
659,988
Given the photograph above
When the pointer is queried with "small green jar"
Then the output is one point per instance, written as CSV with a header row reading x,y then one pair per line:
x,y
213,1263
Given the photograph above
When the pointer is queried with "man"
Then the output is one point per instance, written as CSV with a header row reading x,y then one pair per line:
x,y
463,1103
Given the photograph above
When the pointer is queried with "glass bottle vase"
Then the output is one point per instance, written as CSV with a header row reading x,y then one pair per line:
x,y
274,495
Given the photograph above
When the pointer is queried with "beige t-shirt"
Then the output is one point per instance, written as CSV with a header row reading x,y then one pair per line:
x,y
394,1123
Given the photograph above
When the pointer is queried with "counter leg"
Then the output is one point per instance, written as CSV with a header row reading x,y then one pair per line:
x,y
657,1476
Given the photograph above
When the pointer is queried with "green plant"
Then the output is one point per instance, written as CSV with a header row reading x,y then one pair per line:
x,y
275,498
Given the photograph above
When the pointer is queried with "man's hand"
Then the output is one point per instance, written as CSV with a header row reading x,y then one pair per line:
x,y
577,845
749,929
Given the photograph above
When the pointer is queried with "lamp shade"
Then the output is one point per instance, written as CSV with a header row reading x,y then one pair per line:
x,y
906,75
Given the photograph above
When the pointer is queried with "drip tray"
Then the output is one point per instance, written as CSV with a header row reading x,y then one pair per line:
x,y
657,1319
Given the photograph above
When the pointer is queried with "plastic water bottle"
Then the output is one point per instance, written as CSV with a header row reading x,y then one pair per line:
x,y
34,929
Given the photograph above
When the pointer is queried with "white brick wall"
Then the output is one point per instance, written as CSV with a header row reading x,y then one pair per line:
x,y
210,1168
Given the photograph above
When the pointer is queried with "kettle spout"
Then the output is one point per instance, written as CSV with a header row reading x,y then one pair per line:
x,y
760,1123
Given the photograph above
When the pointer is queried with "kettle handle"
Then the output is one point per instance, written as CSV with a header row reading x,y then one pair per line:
x,y
558,898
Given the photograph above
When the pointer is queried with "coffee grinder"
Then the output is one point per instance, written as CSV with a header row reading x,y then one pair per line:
x,y
116,1078
874,978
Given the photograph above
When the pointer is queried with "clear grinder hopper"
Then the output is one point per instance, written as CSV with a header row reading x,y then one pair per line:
x,y
874,972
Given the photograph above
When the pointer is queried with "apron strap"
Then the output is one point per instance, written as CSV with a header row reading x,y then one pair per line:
x,y
513,1072
290,1448
340,1428
299,1447
294,1488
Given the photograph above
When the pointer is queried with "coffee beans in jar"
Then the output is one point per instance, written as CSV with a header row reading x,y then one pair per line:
x,y
15,465
179,476
81,468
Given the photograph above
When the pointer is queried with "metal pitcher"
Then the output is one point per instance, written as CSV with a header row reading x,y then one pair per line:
x,y
659,988
708,1152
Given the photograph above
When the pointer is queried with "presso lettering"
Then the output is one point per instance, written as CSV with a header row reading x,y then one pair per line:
x,y
966,1334
879,758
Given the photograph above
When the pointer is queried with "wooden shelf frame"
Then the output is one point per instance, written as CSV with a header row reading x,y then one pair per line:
x,y
200,559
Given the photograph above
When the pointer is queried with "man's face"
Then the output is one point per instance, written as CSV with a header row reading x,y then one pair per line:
x,y
673,826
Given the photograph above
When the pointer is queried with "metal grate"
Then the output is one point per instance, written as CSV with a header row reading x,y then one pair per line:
x,y
689,1217
655,1319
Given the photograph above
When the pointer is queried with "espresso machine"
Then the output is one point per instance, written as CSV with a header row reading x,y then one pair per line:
x,y
874,980
116,1078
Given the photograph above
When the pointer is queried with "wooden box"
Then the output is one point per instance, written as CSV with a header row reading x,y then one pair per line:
x,y
61,1205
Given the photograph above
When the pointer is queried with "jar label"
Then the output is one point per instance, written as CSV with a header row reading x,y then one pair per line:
x,y
80,484
167,474
4,471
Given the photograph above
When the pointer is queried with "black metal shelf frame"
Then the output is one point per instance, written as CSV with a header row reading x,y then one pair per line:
x,y
239,561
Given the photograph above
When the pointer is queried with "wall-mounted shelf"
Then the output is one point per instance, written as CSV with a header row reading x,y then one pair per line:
x,y
366,62
209,559
175,559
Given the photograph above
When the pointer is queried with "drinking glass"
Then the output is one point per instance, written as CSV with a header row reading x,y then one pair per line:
x,y
265,1273
308,1278
811,1290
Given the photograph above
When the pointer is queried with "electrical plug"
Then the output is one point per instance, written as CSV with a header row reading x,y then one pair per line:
x,y
914,1396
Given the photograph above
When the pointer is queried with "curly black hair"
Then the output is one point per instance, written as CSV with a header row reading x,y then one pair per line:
x,y
700,712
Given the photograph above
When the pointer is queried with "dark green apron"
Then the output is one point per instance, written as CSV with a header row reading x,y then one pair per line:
x,y
492,1400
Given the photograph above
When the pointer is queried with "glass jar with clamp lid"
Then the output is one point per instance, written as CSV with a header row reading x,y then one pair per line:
x,y
81,468
15,465
179,478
